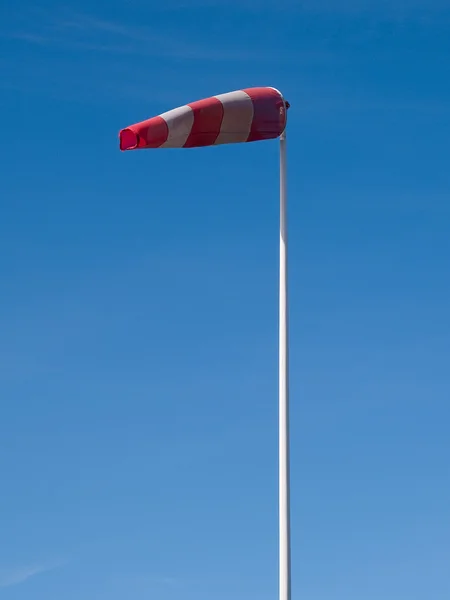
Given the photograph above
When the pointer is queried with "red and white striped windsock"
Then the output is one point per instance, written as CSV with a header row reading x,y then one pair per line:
x,y
247,115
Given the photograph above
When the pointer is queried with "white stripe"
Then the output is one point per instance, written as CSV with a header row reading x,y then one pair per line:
x,y
237,117
179,123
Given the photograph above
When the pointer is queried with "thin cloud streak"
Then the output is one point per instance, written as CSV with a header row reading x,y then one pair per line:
x,y
18,575
81,32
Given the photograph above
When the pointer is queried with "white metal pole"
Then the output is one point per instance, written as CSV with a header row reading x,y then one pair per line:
x,y
284,484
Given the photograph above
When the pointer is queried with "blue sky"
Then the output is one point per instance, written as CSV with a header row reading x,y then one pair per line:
x,y
138,307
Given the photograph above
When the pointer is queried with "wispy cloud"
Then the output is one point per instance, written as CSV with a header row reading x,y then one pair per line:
x,y
90,33
16,575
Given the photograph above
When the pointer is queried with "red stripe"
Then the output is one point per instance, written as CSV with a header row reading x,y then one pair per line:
x,y
129,140
147,134
269,118
208,115
155,132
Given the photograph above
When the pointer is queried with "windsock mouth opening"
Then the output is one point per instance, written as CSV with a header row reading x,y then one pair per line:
x,y
129,140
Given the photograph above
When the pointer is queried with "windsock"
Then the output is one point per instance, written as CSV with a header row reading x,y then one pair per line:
x,y
248,115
